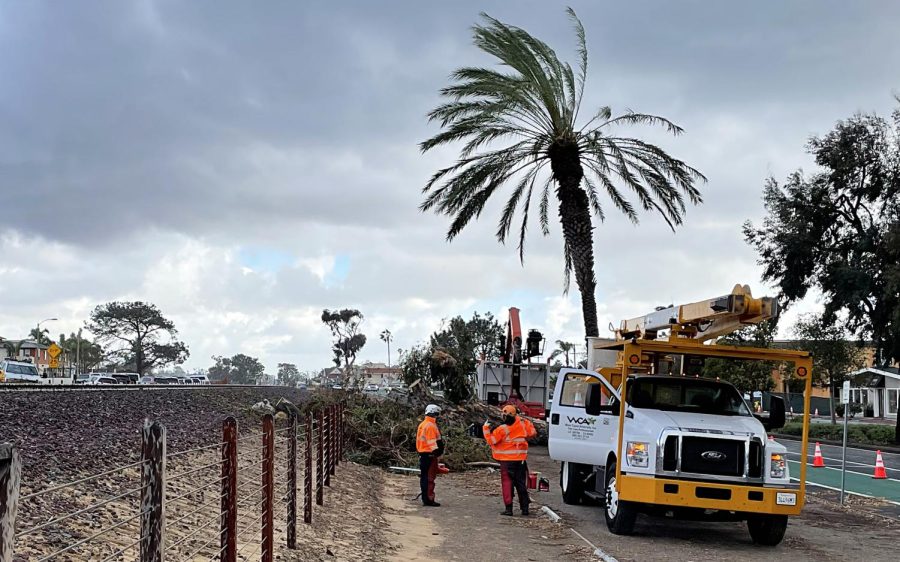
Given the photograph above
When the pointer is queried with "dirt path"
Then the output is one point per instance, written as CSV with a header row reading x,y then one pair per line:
x,y
468,525
824,532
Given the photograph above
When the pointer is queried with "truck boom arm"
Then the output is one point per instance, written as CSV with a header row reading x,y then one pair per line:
x,y
703,320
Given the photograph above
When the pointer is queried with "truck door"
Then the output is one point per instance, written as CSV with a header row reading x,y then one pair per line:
x,y
576,436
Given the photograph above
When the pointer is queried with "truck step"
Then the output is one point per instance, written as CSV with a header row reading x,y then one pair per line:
x,y
598,497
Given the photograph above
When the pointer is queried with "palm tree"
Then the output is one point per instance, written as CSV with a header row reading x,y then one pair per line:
x,y
563,347
386,337
41,337
535,106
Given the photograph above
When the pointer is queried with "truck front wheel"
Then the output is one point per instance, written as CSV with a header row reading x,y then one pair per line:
x,y
767,530
571,481
620,515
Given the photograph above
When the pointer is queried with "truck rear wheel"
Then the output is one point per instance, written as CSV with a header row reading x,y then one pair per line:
x,y
571,481
620,515
767,530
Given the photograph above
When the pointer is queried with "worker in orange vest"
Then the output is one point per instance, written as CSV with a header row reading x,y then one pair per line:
x,y
430,447
509,445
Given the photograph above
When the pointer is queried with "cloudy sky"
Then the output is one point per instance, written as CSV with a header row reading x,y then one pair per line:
x,y
244,165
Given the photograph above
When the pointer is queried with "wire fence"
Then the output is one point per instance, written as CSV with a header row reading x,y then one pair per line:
x,y
236,500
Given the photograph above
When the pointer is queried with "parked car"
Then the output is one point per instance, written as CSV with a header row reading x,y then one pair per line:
x,y
371,388
337,387
101,379
18,371
126,378
82,378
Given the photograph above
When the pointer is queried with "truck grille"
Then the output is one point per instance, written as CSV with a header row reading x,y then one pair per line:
x,y
721,457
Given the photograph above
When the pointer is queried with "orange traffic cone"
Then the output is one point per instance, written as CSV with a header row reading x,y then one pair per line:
x,y
818,461
880,474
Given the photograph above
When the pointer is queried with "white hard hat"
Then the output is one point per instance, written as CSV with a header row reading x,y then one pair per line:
x,y
432,409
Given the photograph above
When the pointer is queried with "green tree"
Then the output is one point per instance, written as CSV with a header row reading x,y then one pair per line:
x,y
41,336
838,230
535,106
90,355
564,348
288,374
746,376
137,333
348,339
238,369
415,364
834,357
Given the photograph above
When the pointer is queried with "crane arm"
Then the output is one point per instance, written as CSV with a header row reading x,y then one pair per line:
x,y
703,320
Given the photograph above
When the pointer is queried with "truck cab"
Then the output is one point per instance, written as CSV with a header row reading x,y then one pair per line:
x,y
680,446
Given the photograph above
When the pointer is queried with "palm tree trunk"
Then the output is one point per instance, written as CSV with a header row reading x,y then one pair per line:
x,y
577,226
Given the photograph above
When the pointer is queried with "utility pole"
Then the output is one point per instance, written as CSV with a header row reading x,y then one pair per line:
x,y
78,355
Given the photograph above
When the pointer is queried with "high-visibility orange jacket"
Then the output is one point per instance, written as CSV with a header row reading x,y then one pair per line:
x,y
508,442
427,436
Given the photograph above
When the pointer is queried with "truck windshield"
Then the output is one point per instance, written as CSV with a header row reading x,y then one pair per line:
x,y
686,395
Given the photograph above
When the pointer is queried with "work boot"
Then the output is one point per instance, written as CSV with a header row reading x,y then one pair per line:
x,y
508,511
525,512
431,503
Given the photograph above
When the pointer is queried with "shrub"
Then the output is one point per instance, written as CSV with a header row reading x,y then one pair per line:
x,y
866,434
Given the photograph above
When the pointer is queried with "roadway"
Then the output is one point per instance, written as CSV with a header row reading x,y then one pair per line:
x,y
860,468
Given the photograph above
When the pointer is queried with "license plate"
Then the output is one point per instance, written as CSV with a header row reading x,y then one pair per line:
x,y
786,499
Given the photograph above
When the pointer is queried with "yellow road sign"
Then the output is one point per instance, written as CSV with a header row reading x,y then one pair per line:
x,y
54,363
54,350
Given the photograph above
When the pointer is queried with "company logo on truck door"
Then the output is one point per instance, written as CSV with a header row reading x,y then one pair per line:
x,y
582,421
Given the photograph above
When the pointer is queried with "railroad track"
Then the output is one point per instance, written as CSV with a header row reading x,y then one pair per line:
x,y
18,387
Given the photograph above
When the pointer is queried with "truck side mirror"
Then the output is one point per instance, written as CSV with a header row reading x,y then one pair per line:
x,y
592,401
776,413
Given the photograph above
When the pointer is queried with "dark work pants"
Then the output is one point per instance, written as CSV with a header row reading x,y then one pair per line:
x,y
428,467
513,474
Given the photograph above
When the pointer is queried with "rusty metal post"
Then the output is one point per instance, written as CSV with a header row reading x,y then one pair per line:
x,y
292,485
268,482
342,433
326,430
10,478
228,513
335,437
153,497
320,477
308,472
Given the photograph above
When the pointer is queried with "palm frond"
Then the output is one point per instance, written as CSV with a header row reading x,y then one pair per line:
x,y
582,62
545,208
632,118
522,230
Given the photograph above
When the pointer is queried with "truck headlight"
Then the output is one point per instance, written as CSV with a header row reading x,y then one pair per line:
x,y
778,466
638,454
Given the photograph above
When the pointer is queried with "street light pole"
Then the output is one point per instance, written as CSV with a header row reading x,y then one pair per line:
x,y
78,355
37,338
38,330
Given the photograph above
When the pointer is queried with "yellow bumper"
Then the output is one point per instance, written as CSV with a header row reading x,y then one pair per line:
x,y
710,495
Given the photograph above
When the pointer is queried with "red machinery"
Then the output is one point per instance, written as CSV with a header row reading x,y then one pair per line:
x,y
514,355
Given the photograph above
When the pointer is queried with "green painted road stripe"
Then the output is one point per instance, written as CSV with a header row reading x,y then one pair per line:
x,y
887,489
